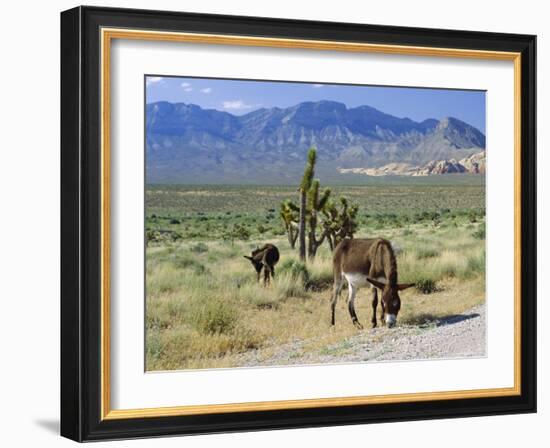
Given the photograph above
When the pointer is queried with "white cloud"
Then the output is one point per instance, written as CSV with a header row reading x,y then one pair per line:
x,y
188,89
236,105
153,80
206,90
317,86
185,84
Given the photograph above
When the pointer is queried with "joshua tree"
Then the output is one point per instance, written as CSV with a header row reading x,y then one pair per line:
x,y
290,215
305,185
340,223
315,205
316,210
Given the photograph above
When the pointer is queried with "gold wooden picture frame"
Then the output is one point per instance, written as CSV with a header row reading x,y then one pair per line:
x,y
87,37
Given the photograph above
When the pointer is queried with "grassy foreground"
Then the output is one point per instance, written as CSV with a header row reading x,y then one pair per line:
x,y
204,308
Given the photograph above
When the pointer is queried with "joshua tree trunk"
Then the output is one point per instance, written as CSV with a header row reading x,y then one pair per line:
x,y
290,215
313,242
316,204
302,226
292,236
330,243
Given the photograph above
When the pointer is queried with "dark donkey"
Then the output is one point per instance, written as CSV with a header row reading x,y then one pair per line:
x,y
366,262
265,257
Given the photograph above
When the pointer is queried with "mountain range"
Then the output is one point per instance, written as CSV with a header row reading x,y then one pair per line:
x,y
188,144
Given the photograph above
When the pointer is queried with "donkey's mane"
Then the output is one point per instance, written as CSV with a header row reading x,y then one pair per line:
x,y
389,262
259,249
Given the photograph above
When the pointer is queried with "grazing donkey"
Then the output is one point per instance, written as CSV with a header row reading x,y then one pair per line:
x,y
265,257
364,261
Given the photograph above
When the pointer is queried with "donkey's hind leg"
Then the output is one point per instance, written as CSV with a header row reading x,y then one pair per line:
x,y
266,274
351,306
270,272
337,288
374,305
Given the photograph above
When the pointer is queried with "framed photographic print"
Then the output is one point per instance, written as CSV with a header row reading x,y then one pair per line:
x,y
276,224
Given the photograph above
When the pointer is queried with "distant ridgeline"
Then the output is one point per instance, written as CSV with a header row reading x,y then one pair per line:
x,y
190,145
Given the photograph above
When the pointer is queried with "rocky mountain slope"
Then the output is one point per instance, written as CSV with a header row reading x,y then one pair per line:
x,y
188,144
475,164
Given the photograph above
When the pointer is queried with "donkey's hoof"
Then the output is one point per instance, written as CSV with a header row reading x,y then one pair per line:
x,y
357,325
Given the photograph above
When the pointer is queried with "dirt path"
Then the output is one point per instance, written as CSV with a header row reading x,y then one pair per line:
x,y
452,337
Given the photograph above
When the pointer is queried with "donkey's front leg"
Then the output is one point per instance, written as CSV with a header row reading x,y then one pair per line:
x,y
374,305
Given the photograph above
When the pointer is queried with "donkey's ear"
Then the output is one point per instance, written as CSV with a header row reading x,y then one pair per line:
x,y
247,257
376,283
402,286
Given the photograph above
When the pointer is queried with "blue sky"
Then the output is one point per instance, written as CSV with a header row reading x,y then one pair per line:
x,y
240,97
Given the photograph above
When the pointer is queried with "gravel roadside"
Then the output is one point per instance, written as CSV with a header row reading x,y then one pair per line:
x,y
457,336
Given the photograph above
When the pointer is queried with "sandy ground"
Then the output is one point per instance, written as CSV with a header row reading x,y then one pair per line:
x,y
457,336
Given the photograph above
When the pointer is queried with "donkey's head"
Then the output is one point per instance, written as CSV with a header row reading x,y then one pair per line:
x,y
256,262
390,299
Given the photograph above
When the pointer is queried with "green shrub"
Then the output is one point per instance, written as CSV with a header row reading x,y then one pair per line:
x,y
199,248
213,316
237,232
427,253
184,261
260,297
161,236
261,228
153,346
426,285
479,234
476,264
163,278
320,275
287,286
295,269
238,280
152,236
449,270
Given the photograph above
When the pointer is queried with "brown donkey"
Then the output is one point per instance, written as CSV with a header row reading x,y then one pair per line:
x,y
265,257
366,262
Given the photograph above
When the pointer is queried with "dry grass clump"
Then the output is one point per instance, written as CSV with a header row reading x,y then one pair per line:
x,y
320,271
431,258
